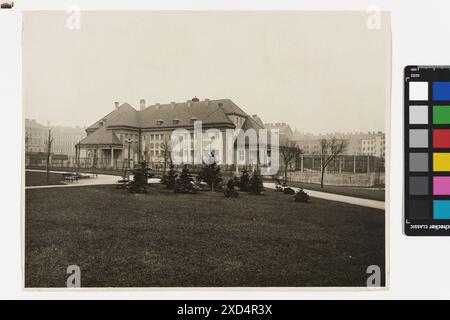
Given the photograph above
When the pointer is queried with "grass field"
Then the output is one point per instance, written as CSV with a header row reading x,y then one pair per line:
x,y
33,178
119,239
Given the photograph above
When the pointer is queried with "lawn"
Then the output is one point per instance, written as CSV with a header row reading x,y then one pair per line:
x,y
359,192
34,178
119,239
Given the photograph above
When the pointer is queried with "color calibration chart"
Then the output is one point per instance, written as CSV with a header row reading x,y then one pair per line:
x,y
427,150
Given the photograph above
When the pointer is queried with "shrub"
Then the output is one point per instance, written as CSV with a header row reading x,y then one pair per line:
x,y
289,190
244,181
301,196
210,173
256,183
168,179
140,178
229,191
184,183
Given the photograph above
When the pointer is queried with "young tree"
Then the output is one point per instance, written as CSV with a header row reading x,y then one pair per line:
x,y
184,183
49,144
140,178
169,178
256,183
166,152
289,152
329,150
210,173
244,180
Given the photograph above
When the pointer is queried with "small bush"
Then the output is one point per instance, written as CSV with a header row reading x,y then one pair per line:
x,y
210,173
141,175
288,190
256,183
229,191
301,196
168,179
184,183
244,181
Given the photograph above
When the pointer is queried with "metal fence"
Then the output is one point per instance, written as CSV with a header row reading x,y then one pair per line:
x,y
340,164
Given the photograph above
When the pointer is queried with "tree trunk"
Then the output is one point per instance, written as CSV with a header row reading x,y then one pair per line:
x,y
285,173
322,176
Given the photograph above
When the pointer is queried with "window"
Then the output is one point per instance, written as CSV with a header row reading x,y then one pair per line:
x,y
241,155
159,122
176,121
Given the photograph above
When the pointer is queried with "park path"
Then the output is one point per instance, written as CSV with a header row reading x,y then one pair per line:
x,y
92,181
100,179
103,179
340,198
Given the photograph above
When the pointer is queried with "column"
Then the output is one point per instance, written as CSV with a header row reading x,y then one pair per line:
x,y
112,157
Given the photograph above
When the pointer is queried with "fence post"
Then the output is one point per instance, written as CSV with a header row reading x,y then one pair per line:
x,y
340,164
354,164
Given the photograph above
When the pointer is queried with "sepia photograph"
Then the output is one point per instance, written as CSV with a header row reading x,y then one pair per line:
x,y
193,149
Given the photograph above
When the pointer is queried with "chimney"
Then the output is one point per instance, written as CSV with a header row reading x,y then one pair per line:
x,y
173,104
207,102
116,104
142,104
157,106
254,116
189,103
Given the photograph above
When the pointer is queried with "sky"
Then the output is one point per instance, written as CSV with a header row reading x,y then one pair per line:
x,y
317,71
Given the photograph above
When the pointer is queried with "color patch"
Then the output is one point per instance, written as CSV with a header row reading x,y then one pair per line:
x,y
441,161
441,91
418,186
441,115
418,138
418,91
420,209
441,186
418,162
441,209
441,138
418,114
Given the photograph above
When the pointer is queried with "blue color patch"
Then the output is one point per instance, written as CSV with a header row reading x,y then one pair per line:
x,y
441,209
441,91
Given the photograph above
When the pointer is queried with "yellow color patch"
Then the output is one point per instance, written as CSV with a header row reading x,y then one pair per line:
x,y
441,161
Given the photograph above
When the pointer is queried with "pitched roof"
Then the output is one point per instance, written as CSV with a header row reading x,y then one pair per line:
x,y
210,112
175,115
101,136
251,123
124,108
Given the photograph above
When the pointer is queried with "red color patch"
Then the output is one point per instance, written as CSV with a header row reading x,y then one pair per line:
x,y
441,138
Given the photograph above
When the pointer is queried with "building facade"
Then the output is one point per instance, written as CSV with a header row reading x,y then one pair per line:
x,y
125,136
63,142
358,144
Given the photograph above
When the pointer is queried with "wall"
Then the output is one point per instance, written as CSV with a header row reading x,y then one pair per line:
x,y
339,179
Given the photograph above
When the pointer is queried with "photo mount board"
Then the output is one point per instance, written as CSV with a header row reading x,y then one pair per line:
x,y
426,199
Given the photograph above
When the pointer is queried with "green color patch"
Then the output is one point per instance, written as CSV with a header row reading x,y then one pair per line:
x,y
441,114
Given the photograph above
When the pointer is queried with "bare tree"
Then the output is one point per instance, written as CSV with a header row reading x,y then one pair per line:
x,y
167,152
329,150
289,152
49,143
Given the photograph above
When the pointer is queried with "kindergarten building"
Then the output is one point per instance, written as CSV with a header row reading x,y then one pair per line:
x,y
126,136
